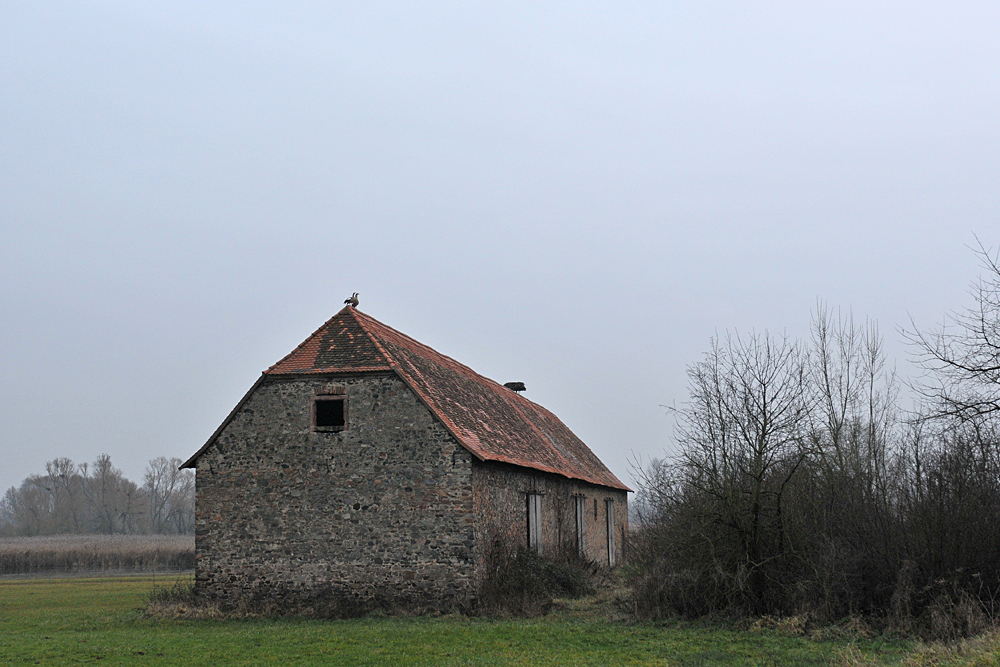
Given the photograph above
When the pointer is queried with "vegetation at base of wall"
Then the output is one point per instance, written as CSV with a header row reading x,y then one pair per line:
x,y
95,553
523,584
315,601
520,582
179,592
802,488
100,620
180,601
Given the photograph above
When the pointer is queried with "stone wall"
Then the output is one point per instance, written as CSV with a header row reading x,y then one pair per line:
x,y
379,513
500,498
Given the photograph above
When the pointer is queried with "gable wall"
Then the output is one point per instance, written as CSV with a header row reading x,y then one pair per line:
x,y
500,497
380,512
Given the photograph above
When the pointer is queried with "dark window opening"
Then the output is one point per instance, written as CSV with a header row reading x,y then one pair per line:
x,y
329,414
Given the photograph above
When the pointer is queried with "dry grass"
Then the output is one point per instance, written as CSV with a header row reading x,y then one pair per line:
x,y
60,554
978,651
178,601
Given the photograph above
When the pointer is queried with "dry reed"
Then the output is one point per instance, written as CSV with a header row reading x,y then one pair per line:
x,y
96,553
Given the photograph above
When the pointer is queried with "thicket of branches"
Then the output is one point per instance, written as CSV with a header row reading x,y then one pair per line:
x,y
802,488
85,498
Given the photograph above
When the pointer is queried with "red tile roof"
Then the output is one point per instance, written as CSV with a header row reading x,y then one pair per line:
x,y
491,421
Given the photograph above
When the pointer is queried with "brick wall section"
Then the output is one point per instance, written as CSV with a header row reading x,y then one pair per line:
x,y
379,512
500,497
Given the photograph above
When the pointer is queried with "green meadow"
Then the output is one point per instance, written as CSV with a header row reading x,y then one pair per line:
x,y
101,621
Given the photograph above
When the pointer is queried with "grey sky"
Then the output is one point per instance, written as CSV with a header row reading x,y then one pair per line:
x,y
572,195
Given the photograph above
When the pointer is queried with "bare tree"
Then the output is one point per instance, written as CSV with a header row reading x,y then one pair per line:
x,y
855,395
170,495
114,501
181,514
856,417
25,509
65,484
962,356
742,436
97,497
841,509
780,497
799,488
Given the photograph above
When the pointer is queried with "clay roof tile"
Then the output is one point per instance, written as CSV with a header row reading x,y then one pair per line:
x,y
491,421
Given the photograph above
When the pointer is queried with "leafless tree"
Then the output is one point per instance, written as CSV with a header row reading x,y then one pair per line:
x,y
741,437
170,495
800,488
64,482
114,500
855,394
962,356
841,515
45,504
25,509
781,494
89,498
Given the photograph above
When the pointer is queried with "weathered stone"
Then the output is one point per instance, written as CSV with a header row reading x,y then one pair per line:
x,y
384,502
314,522
424,523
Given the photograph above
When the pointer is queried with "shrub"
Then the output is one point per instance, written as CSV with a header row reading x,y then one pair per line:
x,y
520,582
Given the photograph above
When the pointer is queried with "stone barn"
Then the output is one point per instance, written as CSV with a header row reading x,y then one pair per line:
x,y
367,466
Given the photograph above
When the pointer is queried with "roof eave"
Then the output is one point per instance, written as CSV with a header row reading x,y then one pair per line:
x,y
529,465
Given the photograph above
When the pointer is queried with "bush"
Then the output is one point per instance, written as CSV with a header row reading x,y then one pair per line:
x,y
797,490
520,582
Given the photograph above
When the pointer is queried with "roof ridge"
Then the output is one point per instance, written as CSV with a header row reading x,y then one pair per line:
x,y
307,339
393,364
426,400
415,341
430,349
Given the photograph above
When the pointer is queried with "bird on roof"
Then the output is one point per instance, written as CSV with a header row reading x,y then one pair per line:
x,y
353,301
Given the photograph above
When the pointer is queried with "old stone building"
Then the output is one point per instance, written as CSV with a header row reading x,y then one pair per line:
x,y
368,466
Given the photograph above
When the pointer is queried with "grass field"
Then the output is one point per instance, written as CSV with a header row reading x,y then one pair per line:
x,y
99,621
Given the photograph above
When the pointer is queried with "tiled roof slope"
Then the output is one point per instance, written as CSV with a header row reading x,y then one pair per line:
x,y
491,421
339,346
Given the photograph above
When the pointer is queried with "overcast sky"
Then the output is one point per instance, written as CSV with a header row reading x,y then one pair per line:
x,y
576,196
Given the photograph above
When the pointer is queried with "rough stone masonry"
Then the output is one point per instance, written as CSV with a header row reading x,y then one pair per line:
x,y
393,508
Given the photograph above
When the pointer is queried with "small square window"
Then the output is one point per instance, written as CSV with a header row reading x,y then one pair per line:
x,y
329,413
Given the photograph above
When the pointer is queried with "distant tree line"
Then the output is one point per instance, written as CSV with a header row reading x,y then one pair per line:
x,y
802,487
97,498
